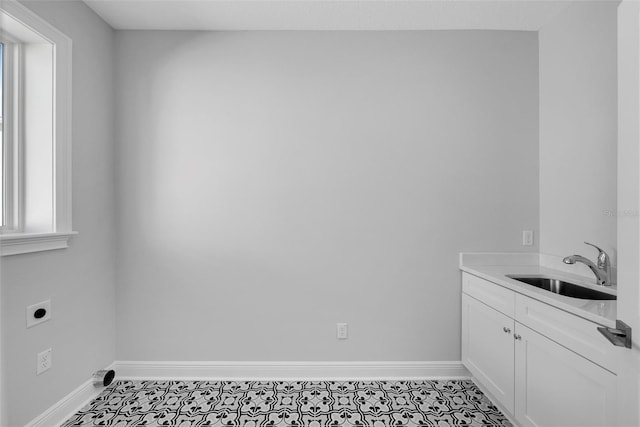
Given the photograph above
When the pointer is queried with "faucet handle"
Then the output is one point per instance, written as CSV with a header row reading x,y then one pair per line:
x,y
603,258
591,244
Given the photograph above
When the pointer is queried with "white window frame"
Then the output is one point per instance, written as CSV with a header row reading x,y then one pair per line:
x,y
11,156
21,237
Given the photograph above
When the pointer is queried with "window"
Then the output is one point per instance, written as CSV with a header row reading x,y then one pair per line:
x,y
35,157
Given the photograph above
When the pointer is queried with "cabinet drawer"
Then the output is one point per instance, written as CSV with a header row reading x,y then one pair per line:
x,y
493,295
568,330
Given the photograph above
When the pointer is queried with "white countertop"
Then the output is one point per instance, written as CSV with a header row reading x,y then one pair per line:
x,y
602,312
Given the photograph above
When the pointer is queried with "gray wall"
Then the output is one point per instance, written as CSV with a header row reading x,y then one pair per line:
x,y
79,280
273,184
578,131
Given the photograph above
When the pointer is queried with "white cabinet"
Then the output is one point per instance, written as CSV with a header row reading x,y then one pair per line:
x,y
571,331
539,381
487,348
556,387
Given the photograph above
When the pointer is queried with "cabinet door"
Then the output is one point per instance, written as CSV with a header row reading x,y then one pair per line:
x,y
487,348
557,387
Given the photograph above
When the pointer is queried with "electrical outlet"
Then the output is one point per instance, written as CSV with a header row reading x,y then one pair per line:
x,y
527,238
44,361
342,330
38,313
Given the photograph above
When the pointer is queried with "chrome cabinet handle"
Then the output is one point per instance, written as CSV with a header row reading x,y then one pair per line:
x,y
507,330
516,336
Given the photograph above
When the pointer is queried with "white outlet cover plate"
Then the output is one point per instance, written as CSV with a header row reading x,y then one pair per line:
x,y
44,361
342,330
31,320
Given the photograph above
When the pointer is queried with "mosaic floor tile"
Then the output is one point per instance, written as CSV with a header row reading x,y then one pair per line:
x,y
290,404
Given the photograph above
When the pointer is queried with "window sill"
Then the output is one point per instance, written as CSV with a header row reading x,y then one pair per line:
x,y
15,244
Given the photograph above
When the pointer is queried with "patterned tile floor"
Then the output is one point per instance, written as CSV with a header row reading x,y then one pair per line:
x,y
286,404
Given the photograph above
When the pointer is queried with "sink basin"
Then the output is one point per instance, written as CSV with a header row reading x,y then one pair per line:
x,y
560,287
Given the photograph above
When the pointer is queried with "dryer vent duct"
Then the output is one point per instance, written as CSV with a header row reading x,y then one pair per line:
x,y
103,378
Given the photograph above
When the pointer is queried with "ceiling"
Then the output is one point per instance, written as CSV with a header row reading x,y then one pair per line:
x,y
524,15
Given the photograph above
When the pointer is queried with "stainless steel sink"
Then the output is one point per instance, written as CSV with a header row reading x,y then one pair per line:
x,y
562,288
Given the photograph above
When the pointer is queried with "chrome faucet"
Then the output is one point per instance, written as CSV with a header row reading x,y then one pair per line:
x,y
603,268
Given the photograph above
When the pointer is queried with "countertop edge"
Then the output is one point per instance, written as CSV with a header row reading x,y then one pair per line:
x,y
496,274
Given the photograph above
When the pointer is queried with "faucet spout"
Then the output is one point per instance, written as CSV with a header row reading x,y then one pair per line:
x,y
602,270
579,258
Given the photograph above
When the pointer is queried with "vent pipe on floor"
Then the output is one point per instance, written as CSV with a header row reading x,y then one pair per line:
x,y
103,378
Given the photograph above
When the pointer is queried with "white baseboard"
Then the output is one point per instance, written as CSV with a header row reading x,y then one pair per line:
x,y
68,405
289,370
